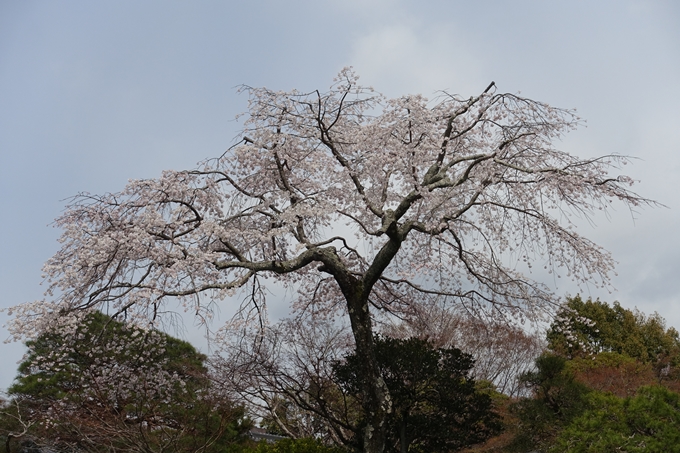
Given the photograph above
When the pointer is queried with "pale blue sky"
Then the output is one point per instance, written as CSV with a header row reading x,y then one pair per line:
x,y
95,93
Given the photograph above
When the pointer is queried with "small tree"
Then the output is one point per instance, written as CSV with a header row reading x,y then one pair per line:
x,y
435,405
586,328
121,388
284,375
502,352
15,425
355,200
557,399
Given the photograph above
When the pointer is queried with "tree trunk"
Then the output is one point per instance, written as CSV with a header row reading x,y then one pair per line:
x,y
376,399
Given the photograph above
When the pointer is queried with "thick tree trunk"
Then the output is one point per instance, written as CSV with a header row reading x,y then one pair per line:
x,y
375,395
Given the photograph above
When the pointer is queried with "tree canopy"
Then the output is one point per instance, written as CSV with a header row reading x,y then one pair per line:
x,y
586,328
648,422
557,399
354,201
435,404
119,388
502,351
607,382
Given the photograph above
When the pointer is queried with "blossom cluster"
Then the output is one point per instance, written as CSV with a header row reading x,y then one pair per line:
x,y
406,198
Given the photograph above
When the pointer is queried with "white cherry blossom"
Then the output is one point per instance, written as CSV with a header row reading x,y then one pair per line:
x,y
357,201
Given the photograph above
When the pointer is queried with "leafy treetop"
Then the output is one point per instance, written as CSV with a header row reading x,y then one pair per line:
x,y
119,388
435,404
591,327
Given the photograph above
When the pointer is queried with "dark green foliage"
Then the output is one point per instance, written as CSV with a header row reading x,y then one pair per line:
x,y
558,399
592,393
435,405
649,422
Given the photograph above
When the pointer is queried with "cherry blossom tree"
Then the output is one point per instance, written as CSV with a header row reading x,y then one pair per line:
x,y
283,374
118,388
354,201
502,352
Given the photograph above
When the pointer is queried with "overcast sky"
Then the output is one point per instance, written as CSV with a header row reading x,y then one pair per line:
x,y
95,93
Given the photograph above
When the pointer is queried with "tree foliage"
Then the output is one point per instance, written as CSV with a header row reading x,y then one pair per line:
x,y
435,405
283,374
615,373
648,422
590,327
121,388
352,200
598,389
557,399
15,425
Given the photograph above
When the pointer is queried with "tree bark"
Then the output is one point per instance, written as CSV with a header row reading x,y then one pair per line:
x,y
376,399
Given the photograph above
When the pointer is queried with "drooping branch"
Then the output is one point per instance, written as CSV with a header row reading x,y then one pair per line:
x,y
419,198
